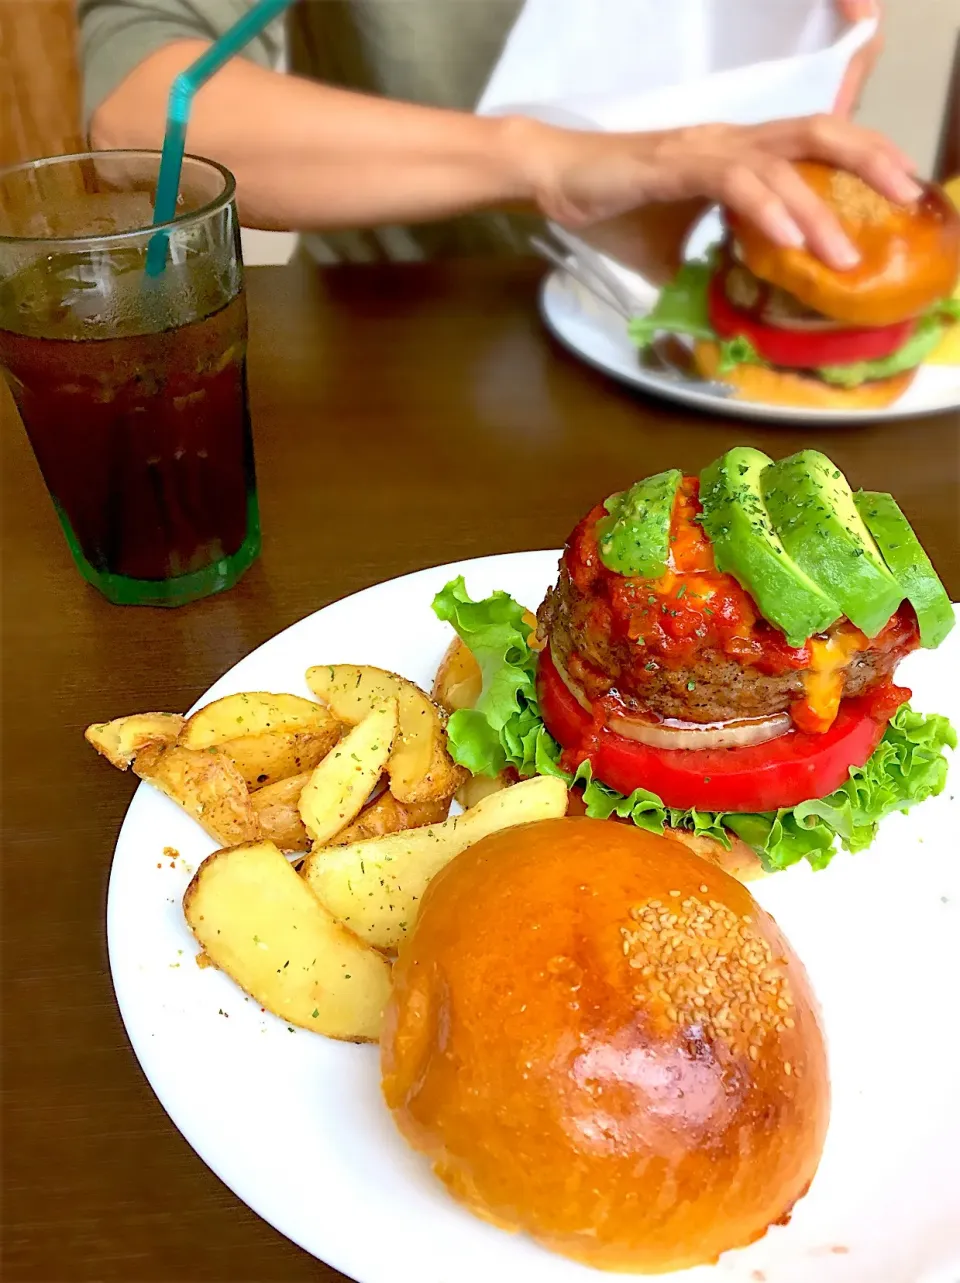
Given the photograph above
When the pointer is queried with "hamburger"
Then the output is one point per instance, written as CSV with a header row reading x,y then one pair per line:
x,y
784,328
716,661
600,1040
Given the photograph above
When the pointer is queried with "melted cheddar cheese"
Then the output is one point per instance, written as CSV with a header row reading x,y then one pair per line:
x,y
823,682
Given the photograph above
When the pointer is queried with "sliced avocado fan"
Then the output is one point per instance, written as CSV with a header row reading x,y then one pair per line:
x,y
813,511
906,558
747,545
635,538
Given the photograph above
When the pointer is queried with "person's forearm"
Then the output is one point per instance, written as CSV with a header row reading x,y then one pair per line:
x,y
308,155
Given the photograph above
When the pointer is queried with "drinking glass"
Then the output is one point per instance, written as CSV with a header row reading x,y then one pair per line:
x,y
132,388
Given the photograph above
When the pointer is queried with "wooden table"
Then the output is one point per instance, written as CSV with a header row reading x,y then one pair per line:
x,y
404,417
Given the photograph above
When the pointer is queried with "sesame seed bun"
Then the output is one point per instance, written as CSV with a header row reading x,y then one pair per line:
x,y
601,1040
784,387
909,255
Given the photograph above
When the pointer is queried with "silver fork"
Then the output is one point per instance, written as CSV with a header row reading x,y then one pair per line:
x,y
666,355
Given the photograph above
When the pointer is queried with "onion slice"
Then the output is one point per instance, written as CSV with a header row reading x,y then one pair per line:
x,y
670,734
801,324
570,684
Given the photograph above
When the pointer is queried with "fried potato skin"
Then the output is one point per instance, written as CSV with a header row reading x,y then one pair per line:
x,y
385,815
277,807
122,739
276,755
206,785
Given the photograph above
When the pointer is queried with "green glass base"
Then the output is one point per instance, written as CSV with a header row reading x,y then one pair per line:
x,y
220,575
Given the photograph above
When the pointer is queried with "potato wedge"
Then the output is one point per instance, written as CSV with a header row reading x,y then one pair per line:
x,y
277,807
339,787
477,787
258,921
439,784
276,755
386,815
375,887
420,768
458,681
206,785
122,739
252,713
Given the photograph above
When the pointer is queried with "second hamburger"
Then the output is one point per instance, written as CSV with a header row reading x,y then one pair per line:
x,y
784,328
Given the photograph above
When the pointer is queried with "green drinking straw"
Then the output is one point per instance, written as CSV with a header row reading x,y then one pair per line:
x,y
178,115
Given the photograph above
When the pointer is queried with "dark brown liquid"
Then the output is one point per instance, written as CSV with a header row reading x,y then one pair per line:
x,y
144,441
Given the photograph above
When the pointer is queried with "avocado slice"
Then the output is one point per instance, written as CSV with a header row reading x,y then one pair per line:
x,y
635,538
813,511
746,545
906,559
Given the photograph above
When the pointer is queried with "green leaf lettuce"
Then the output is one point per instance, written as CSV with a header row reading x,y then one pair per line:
x,y
682,308
505,730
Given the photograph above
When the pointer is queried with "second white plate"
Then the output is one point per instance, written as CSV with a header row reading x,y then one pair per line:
x,y
598,335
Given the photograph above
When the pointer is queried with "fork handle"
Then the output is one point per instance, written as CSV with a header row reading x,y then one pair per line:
x,y
594,263
572,267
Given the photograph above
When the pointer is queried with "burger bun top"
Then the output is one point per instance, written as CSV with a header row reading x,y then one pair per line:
x,y
909,255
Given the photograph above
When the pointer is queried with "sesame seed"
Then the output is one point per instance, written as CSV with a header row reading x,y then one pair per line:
x,y
858,200
706,967
787,1068
704,888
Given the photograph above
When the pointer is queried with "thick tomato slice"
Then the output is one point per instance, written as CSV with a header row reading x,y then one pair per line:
x,y
802,349
781,773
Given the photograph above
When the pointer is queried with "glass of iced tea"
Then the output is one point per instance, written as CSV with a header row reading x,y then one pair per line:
x,y
131,386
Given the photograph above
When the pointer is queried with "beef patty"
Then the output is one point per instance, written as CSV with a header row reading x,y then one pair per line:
x,y
711,687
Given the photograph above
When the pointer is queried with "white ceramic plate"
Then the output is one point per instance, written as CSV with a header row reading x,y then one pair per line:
x,y
597,334
294,1123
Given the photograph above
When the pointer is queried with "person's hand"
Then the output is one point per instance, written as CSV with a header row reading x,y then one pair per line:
x,y
864,61
580,179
